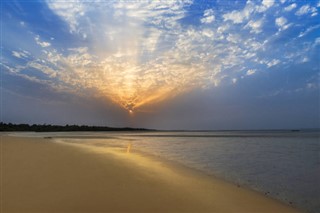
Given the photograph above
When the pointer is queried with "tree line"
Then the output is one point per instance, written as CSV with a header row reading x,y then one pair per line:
x,y
7,127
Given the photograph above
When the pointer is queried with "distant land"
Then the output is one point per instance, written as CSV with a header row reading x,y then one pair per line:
x,y
9,127
6,127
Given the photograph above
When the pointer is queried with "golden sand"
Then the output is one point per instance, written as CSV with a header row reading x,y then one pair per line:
x,y
40,175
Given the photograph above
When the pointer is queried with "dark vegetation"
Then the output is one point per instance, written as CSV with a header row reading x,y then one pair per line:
x,y
6,127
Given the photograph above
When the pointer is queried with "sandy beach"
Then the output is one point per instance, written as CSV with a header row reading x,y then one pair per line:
x,y
45,175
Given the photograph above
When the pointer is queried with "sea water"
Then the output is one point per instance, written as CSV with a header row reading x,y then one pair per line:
x,y
281,164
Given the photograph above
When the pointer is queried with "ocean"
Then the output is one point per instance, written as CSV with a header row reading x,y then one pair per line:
x,y
284,165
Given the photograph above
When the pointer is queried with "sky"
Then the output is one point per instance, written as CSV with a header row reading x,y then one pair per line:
x,y
164,64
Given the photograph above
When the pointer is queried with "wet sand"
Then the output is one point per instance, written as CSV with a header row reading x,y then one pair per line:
x,y
44,175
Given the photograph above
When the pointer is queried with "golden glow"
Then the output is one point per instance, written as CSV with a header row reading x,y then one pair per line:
x,y
132,86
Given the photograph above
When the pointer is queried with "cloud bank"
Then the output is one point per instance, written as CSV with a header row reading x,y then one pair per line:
x,y
137,53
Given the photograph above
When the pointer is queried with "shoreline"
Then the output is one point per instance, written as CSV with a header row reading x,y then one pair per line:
x,y
45,176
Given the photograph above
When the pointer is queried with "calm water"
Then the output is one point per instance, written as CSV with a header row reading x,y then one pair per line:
x,y
283,165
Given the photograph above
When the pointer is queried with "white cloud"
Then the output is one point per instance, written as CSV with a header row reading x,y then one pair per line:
x,y
208,33
41,43
310,29
317,41
312,86
21,54
234,38
151,40
268,3
223,28
255,26
208,17
306,9
283,1
43,68
281,23
251,72
68,11
273,62
290,7
305,59
239,16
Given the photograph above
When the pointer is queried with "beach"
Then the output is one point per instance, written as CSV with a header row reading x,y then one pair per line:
x,y
45,175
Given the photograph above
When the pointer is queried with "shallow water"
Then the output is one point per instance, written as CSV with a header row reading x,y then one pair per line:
x,y
284,165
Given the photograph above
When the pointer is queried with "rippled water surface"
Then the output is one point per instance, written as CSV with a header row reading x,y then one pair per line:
x,y
283,165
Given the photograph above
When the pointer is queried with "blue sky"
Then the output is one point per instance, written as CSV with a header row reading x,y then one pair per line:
x,y
164,64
